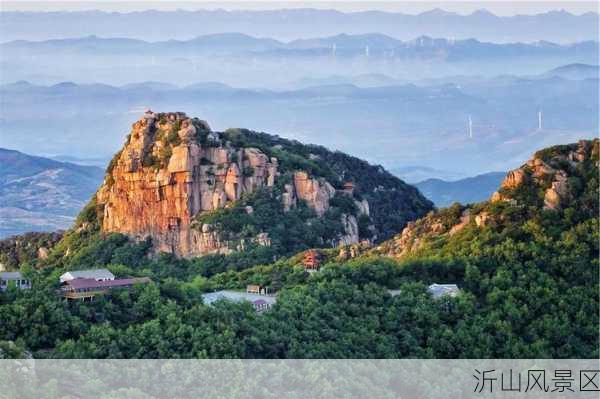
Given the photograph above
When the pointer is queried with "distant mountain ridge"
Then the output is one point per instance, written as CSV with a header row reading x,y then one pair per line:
x,y
342,45
414,174
576,71
427,124
465,191
289,24
41,194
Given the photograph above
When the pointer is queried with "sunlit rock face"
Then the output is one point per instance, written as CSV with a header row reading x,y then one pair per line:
x,y
165,175
173,168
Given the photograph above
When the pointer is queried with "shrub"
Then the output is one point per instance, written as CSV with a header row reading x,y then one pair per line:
x,y
165,155
150,160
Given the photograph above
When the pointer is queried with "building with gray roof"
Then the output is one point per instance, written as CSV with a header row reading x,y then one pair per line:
x,y
14,278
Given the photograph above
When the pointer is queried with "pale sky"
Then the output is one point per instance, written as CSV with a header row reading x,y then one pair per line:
x,y
498,7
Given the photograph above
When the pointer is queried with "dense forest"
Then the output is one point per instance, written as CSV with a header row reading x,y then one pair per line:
x,y
528,279
392,202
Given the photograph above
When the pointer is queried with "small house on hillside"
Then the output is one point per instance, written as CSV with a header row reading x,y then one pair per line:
x,y
88,288
440,290
95,274
16,279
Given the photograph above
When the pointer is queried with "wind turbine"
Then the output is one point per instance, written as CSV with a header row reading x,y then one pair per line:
x,y
539,120
470,127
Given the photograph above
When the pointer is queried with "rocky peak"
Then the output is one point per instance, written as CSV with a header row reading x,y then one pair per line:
x,y
548,181
174,169
548,172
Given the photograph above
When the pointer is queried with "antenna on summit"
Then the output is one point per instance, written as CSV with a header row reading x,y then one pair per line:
x,y
539,120
470,127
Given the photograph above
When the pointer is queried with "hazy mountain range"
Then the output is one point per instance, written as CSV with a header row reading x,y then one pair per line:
x,y
40,194
576,71
397,125
466,191
342,45
417,173
289,24
245,61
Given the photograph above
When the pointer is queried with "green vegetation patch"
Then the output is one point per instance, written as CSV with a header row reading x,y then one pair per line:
x,y
289,232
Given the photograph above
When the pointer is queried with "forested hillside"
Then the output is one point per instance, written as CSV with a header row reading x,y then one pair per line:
x,y
526,264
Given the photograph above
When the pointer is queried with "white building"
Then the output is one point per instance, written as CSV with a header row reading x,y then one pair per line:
x,y
439,290
13,278
96,274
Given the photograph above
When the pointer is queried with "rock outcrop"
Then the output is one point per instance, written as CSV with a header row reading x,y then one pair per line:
x,y
174,168
148,193
316,192
542,183
548,170
416,234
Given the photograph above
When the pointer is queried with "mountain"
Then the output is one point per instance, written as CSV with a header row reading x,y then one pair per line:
x,y
232,42
465,191
416,173
247,61
525,264
365,80
559,184
575,71
99,162
396,126
289,24
373,45
194,192
40,194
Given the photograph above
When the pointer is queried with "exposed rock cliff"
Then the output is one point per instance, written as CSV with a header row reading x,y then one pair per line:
x,y
316,192
554,179
173,171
